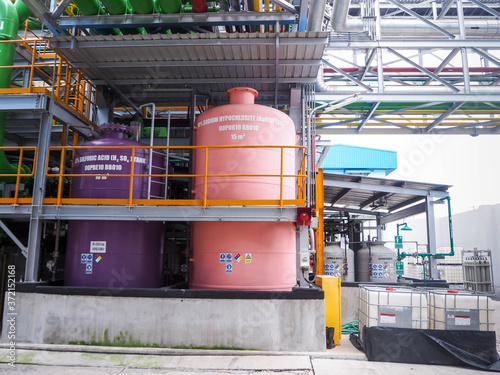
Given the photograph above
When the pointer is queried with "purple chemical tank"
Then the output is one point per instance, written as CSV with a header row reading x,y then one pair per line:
x,y
115,254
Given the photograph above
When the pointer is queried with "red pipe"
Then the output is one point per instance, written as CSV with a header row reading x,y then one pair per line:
x,y
199,6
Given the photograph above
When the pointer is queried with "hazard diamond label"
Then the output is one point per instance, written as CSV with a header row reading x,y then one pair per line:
x,y
238,257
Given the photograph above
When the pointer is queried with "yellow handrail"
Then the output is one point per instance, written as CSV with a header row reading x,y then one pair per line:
x,y
57,78
19,175
281,202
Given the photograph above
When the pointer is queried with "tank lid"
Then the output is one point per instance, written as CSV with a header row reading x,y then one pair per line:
x,y
242,95
116,131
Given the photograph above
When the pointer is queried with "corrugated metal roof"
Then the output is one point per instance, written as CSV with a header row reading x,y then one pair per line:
x,y
369,194
213,62
344,157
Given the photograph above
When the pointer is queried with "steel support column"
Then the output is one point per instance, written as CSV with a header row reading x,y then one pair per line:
x,y
431,236
35,228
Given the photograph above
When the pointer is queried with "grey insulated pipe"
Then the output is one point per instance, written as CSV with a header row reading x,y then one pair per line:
x,y
316,15
339,14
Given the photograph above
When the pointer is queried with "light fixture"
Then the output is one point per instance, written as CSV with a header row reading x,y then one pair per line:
x,y
335,105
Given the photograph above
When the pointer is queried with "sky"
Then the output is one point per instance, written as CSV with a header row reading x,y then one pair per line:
x,y
470,164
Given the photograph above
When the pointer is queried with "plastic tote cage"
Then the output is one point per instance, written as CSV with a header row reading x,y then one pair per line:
x,y
397,307
460,310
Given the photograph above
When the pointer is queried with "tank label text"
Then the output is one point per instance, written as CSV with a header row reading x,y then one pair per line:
x,y
245,118
98,247
112,158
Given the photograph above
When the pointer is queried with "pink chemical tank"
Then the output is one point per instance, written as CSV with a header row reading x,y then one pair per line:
x,y
244,255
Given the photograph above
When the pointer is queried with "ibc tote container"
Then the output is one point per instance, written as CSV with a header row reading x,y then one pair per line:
x,y
460,310
397,307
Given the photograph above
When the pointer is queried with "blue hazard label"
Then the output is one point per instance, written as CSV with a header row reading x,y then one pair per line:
x,y
229,257
222,258
229,268
86,259
88,269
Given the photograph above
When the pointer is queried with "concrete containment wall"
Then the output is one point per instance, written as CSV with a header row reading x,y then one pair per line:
x,y
265,324
350,303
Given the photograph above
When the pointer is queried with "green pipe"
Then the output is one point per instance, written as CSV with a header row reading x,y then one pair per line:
x,y
144,6
450,226
170,6
10,24
94,8
23,12
115,7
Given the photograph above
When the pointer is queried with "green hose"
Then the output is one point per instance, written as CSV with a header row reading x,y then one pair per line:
x,y
350,327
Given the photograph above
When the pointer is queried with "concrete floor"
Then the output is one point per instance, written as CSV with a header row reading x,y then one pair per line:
x,y
78,360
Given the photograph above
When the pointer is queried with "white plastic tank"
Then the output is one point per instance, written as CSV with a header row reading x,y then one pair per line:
x,y
398,307
460,310
383,262
336,262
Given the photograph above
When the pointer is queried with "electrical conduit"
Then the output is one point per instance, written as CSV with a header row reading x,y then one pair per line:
x,y
9,23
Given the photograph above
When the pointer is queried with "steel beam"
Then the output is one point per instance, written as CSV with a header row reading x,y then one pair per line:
x,y
368,116
443,116
285,5
445,8
385,188
487,56
190,63
14,238
410,211
431,237
368,62
180,81
339,196
352,211
61,7
35,227
22,103
486,8
443,65
425,71
171,213
42,13
413,44
177,20
104,42
348,76
376,197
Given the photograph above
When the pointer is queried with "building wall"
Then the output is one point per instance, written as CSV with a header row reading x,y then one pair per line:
x,y
479,228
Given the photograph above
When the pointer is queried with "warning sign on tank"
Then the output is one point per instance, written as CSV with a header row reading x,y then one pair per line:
x,y
86,259
97,247
229,268
248,258
238,257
